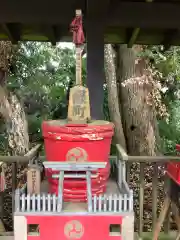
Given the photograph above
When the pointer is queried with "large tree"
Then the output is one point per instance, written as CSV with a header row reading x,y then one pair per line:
x,y
113,98
11,108
13,114
137,86
134,99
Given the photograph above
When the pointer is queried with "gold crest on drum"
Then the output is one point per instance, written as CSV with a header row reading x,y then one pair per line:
x,y
77,155
73,230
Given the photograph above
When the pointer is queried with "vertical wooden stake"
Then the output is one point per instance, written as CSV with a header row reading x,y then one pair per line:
x,y
141,199
79,106
33,179
2,188
162,216
154,195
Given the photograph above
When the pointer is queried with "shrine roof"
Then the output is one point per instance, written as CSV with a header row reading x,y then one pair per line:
x,y
128,21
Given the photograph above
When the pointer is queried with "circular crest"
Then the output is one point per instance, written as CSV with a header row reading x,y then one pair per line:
x,y
77,155
73,230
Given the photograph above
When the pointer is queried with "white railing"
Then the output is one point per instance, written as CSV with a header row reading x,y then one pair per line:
x,y
120,203
49,203
113,203
36,202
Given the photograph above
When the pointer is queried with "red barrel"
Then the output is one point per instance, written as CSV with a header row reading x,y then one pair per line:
x,y
89,142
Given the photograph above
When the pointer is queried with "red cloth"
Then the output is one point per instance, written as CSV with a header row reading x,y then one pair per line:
x,y
77,30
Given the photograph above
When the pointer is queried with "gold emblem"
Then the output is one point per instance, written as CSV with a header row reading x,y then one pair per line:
x,y
73,230
77,155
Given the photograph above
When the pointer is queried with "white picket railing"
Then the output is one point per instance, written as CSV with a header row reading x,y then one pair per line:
x,y
49,203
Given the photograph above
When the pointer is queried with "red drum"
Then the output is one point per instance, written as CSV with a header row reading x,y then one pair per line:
x,y
81,143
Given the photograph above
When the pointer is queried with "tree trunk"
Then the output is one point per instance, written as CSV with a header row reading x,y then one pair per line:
x,y
138,115
17,144
16,126
139,123
113,101
16,123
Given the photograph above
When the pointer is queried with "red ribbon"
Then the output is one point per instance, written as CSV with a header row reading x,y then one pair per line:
x,y
77,30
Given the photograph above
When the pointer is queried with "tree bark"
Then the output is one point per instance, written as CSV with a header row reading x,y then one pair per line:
x,y
10,107
17,144
113,101
14,117
139,124
16,123
138,116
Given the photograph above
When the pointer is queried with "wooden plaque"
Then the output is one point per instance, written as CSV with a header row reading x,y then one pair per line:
x,y
33,180
79,107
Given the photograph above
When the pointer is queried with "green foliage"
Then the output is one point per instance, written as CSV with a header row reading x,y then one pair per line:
x,y
170,131
168,65
40,75
43,69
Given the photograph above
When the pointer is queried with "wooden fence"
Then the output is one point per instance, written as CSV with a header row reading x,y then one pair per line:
x,y
155,162
15,161
142,160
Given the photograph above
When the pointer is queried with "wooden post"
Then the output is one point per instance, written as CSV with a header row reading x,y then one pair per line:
x,y
2,188
33,179
14,183
172,201
95,67
79,106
